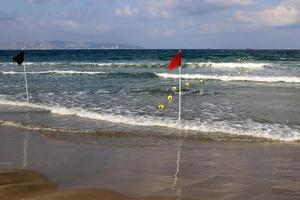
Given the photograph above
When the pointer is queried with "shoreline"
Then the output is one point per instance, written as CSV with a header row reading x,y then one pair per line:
x,y
221,137
11,116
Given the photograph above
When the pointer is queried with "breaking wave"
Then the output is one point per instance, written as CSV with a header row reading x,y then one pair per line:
x,y
269,79
249,128
229,65
147,64
91,73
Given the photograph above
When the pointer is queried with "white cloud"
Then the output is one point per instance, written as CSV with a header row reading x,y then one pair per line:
x,y
160,8
209,28
231,2
163,33
65,24
186,23
215,28
286,13
99,28
46,1
126,11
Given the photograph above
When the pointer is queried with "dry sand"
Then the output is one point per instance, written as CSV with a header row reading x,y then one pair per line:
x,y
18,184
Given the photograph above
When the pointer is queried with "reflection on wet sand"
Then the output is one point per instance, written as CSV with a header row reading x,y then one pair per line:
x,y
25,151
178,190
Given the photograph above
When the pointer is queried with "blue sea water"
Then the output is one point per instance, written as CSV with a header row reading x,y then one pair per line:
x,y
253,93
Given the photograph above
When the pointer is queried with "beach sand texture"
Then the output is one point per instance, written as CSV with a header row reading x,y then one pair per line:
x,y
18,184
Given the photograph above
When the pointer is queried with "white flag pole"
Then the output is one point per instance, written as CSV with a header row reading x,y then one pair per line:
x,y
179,86
24,65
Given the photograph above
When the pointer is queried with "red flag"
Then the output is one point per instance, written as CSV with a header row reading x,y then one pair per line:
x,y
176,61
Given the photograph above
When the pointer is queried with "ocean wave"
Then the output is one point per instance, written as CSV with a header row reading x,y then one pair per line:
x,y
92,64
249,128
90,73
269,79
229,65
147,64
53,72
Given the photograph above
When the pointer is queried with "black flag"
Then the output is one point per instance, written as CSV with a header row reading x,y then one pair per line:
x,y
19,58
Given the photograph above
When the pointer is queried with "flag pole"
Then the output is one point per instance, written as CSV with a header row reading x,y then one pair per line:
x,y
24,65
179,87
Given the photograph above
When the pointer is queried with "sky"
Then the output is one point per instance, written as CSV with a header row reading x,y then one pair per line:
x,y
259,24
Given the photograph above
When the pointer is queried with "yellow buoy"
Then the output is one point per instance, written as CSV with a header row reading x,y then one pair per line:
x,y
187,85
201,81
161,106
174,89
170,98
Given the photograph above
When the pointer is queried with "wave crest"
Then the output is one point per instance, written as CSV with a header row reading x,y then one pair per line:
x,y
147,64
269,79
251,129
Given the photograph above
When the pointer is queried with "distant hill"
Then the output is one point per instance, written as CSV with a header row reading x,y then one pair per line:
x,y
39,45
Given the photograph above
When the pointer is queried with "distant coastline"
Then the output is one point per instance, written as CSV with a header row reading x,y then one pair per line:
x,y
60,45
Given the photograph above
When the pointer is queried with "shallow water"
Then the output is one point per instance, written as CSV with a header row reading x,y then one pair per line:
x,y
253,93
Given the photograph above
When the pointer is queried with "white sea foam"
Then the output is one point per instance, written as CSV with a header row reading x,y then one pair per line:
x,y
269,79
249,128
54,72
229,65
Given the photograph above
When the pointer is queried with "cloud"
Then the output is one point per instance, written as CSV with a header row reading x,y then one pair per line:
x,y
161,8
286,13
186,23
100,28
67,24
127,11
44,24
163,33
209,28
231,2
58,26
215,28
7,17
45,1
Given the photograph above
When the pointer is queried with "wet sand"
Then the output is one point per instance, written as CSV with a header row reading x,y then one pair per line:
x,y
140,167
30,185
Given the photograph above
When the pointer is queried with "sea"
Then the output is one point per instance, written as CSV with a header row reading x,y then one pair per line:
x,y
251,95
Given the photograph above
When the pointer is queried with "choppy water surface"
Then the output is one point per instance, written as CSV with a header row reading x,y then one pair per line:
x,y
246,92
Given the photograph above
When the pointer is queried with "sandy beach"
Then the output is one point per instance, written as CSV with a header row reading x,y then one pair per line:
x,y
144,167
